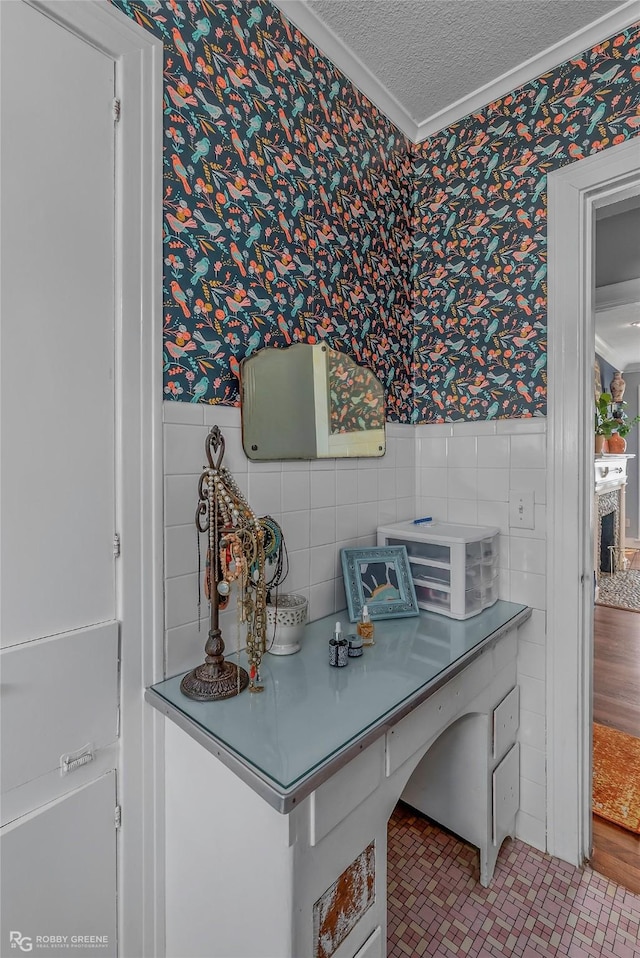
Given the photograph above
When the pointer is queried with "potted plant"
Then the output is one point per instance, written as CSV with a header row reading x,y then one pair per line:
x,y
603,426
612,425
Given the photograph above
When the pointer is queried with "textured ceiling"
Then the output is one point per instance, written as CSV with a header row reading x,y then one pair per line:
x,y
428,54
614,328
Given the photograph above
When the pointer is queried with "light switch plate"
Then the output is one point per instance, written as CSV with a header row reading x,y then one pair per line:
x,y
521,515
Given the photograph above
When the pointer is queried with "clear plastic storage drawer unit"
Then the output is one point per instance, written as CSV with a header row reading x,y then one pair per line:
x,y
454,567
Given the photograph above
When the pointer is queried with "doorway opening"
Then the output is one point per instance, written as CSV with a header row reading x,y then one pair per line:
x,y
616,635
575,194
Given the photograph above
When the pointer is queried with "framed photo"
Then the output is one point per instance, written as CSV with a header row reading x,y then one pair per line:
x,y
379,578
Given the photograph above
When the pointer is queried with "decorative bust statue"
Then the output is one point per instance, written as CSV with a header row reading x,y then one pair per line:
x,y
597,381
617,387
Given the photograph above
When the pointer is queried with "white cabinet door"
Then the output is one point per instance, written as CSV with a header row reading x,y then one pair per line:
x,y
57,375
58,869
47,712
58,465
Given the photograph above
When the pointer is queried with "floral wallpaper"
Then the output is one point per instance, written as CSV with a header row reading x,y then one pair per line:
x,y
286,203
294,211
479,241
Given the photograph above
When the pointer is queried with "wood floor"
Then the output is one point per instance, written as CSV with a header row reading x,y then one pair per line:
x,y
616,702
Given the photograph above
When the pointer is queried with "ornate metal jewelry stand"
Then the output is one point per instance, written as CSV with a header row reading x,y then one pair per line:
x,y
215,678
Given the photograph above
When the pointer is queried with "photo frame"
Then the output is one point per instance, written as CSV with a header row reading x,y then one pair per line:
x,y
379,578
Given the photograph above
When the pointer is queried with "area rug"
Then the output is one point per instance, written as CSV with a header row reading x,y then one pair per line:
x,y
616,777
620,590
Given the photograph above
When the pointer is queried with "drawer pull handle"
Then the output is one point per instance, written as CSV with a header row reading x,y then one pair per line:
x,y
74,760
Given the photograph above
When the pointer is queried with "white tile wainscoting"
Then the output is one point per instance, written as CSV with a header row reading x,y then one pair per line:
x,y
322,506
465,473
461,473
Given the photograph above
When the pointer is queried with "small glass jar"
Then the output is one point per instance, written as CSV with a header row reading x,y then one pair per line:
x,y
355,646
366,628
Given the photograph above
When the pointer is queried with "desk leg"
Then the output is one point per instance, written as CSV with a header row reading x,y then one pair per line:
x,y
456,785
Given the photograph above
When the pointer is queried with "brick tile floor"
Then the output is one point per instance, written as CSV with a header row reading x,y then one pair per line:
x,y
536,906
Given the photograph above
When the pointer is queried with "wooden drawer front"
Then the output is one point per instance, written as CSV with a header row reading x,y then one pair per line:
x,y
58,695
506,721
425,722
506,794
372,947
339,795
437,712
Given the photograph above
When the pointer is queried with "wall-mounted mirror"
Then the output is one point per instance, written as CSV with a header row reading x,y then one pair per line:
x,y
310,402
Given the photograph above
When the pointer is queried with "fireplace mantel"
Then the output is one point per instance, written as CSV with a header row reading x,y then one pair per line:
x,y
610,487
611,471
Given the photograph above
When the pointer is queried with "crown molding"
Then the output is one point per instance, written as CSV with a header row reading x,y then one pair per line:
x,y
613,297
618,294
306,20
615,209
610,355
536,66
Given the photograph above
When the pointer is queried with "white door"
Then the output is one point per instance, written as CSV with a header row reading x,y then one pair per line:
x,y
58,629
51,887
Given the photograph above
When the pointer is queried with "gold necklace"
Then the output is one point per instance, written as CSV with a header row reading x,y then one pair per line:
x,y
235,555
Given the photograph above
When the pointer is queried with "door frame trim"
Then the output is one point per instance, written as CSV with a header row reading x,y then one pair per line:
x,y
138,56
574,194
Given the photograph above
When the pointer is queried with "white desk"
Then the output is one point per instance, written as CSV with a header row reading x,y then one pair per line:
x,y
277,804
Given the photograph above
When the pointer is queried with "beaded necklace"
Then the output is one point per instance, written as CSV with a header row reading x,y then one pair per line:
x,y
275,551
278,558
235,554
